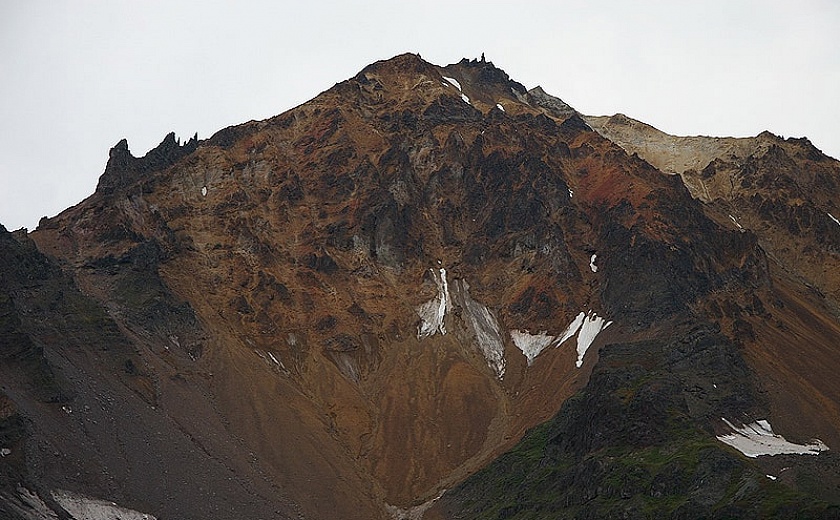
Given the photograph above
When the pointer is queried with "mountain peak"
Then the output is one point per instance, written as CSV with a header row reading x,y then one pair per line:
x,y
403,275
482,79
401,65
485,74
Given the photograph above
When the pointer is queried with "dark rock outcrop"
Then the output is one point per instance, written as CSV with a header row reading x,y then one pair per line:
x,y
123,169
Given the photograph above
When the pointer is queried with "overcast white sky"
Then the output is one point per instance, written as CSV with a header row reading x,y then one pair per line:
x,y
76,77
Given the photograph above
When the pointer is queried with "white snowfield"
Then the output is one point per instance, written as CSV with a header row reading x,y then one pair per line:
x,y
433,311
412,512
586,325
478,318
484,326
488,332
500,107
589,330
277,361
834,219
592,263
79,507
531,344
757,439
458,86
572,329
454,82
85,508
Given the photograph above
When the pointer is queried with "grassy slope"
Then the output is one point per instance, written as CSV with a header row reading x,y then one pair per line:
x,y
631,445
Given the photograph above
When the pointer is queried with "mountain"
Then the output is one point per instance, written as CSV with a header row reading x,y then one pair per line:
x,y
783,190
429,292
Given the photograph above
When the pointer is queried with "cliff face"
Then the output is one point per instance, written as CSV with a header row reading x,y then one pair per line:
x,y
353,306
783,190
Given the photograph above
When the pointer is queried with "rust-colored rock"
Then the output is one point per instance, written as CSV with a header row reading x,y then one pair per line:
x,y
318,306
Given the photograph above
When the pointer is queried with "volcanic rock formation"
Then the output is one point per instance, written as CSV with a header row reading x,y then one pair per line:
x,y
347,310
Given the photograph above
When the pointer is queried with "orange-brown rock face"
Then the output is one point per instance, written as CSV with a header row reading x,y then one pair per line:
x,y
785,191
350,273
358,303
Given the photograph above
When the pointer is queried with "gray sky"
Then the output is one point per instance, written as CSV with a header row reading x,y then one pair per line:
x,y
76,77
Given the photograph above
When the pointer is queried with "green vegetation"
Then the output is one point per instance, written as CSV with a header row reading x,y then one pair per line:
x,y
691,476
627,447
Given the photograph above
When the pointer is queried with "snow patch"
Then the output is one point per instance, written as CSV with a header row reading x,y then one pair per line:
x,y
771,477
589,330
592,264
571,193
411,513
484,326
433,311
500,107
736,222
834,219
83,508
204,191
480,320
572,329
5,452
587,326
531,344
756,439
454,82
458,86
276,361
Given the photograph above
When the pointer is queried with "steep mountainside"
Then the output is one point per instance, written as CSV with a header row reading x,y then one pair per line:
x,y
81,411
783,190
350,308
